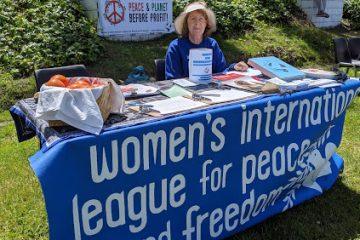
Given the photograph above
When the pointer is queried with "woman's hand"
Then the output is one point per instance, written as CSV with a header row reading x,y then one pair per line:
x,y
241,66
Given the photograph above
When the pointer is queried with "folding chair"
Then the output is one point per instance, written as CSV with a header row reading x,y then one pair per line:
x,y
354,48
159,69
43,75
344,54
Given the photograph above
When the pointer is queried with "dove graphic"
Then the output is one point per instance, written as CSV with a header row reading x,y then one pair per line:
x,y
320,166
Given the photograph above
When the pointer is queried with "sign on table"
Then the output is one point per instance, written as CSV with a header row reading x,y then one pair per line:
x,y
202,176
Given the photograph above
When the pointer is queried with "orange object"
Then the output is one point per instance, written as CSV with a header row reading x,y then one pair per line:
x,y
97,85
55,83
83,82
61,78
79,85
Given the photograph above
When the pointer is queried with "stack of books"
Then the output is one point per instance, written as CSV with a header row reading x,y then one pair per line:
x,y
318,73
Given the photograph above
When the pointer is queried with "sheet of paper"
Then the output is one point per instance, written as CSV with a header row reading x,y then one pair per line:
x,y
175,104
176,91
228,95
183,82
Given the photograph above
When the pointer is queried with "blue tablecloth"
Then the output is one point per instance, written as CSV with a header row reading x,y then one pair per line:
x,y
203,175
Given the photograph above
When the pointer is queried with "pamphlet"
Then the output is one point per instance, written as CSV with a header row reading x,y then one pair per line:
x,y
176,91
219,95
138,90
200,65
175,104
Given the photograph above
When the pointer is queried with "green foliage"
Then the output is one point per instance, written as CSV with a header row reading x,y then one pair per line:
x,y
237,16
43,33
275,11
352,13
12,90
233,18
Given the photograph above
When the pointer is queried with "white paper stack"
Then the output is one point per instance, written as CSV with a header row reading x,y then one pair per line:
x,y
318,73
200,65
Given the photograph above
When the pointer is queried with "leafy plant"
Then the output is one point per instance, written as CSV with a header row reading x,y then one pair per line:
x,y
234,17
12,90
280,11
43,33
352,13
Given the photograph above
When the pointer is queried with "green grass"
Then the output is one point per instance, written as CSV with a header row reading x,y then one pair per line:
x,y
22,207
334,215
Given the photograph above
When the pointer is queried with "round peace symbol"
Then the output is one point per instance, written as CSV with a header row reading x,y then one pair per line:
x,y
114,11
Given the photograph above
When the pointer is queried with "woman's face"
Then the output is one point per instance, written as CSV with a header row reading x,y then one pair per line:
x,y
196,23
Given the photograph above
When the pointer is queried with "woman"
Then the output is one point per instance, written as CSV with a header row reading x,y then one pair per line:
x,y
194,26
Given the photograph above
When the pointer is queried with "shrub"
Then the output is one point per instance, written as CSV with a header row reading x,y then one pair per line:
x,y
281,11
12,90
233,18
43,33
352,13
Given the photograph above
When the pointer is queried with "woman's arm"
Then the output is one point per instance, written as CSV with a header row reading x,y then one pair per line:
x,y
173,63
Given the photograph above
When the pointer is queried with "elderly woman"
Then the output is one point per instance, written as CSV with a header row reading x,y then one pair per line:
x,y
194,26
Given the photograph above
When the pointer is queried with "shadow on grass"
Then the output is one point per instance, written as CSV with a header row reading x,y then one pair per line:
x,y
333,215
119,58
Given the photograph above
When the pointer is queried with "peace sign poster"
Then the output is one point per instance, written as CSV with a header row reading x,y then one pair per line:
x,y
126,17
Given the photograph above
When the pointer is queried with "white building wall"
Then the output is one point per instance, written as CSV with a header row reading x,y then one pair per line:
x,y
333,7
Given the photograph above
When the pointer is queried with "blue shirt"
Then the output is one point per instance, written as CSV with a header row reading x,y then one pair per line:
x,y
177,57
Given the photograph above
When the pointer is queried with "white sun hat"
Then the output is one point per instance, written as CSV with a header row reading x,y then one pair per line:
x,y
211,22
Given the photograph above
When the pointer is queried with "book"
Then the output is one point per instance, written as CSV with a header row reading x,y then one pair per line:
x,y
275,67
227,76
278,85
318,73
246,83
